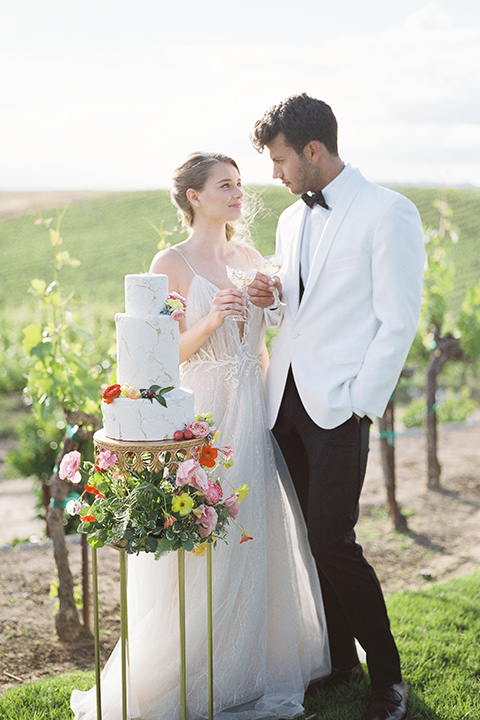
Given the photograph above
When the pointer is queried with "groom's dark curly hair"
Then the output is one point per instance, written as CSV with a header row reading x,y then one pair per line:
x,y
301,119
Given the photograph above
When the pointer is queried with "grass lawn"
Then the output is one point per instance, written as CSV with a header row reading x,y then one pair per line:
x,y
438,634
112,236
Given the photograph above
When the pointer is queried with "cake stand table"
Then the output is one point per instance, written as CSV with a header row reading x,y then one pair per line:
x,y
153,456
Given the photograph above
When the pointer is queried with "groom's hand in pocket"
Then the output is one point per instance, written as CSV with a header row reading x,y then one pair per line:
x,y
260,291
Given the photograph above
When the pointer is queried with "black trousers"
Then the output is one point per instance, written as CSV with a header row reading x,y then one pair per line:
x,y
328,469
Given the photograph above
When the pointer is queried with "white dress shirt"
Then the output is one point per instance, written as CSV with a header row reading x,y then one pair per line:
x,y
317,219
315,224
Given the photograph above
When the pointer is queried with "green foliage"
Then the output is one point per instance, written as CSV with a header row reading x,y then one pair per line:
x,y
148,510
63,369
456,406
438,277
469,322
39,440
13,362
436,629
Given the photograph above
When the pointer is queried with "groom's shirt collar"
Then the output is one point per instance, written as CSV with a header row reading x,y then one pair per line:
x,y
334,189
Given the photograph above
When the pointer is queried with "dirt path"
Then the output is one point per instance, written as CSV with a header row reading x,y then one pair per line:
x,y
15,204
443,541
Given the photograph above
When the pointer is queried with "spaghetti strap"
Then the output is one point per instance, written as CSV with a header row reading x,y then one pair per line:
x,y
183,256
249,258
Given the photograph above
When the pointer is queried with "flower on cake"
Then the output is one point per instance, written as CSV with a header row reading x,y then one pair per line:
x,y
179,505
199,429
176,306
154,392
202,427
130,392
111,393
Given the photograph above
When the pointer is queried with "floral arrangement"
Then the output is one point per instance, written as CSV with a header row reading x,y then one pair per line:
x,y
181,505
154,392
176,306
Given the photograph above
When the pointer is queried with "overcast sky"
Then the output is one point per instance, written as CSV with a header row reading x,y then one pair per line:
x,y
109,94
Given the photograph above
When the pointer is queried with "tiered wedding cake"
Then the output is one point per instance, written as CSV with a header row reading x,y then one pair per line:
x,y
147,355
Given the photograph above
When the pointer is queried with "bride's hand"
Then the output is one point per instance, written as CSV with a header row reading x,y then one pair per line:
x,y
226,302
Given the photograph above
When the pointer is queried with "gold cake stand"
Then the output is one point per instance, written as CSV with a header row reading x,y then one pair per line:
x,y
140,456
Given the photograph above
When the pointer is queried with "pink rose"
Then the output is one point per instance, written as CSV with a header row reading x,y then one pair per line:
x,y
190,473
178,315
199,429
69,467
106,459
232,505
207,521
213,494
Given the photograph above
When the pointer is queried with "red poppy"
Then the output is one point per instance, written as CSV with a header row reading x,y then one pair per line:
x,y
208,456
91,489
111,393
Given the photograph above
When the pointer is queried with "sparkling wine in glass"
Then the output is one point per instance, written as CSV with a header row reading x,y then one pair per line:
x,y
270,265
241,277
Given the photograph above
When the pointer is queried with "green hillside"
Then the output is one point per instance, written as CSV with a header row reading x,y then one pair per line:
x,y
111,236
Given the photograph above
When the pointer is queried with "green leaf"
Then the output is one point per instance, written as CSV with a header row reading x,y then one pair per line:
x,y
94,541
150,544
32,338
39,286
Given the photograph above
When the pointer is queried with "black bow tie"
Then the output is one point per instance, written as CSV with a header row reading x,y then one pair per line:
x,y
316,198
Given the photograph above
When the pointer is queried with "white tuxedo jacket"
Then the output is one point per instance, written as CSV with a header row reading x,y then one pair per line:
x,y
348,338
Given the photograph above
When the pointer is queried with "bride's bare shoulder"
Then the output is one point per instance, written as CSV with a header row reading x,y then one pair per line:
x,y
166,261
171,263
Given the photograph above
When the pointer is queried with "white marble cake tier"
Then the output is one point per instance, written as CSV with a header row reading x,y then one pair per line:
x,y
147,351
145,294
126,419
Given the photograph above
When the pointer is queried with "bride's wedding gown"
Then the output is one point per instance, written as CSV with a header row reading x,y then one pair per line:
x,y
268,625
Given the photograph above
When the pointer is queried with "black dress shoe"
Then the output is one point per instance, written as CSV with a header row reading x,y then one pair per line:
x,y
337,677
388,703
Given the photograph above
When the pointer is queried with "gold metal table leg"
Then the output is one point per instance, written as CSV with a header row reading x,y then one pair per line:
x,y
210,631
123,629
96,633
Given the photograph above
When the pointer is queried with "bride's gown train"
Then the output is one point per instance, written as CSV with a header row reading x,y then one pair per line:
x,y
268,624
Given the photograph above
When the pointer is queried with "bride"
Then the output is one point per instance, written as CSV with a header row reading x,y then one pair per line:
x,y
269,632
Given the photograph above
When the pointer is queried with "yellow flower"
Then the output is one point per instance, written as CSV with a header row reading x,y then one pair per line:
x,y
242,492
200,550
182,504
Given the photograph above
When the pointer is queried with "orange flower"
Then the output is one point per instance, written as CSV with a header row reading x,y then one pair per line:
x,y
245,536
169,521
88,518
111,393
91,489
208,456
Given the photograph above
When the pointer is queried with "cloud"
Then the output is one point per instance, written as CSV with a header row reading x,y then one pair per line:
x,y
405,97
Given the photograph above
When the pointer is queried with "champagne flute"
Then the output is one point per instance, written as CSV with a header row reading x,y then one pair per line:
x,y
270,265
241,277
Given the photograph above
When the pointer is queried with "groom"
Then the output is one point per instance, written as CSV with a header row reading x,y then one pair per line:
x,y
353,259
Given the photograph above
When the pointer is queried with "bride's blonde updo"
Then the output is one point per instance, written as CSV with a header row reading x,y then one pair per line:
x,y
193,174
